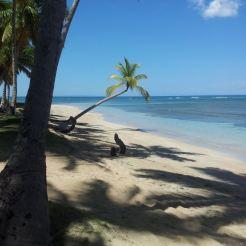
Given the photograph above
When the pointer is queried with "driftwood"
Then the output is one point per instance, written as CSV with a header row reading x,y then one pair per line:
x,y
114,151
120,143
122,147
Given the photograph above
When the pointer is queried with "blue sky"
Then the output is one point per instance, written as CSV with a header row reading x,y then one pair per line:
x,y
186,47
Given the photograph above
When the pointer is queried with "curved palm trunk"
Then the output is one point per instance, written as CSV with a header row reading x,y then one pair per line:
x,y
68,21
4,98
69,125
14,59
24,217
99,103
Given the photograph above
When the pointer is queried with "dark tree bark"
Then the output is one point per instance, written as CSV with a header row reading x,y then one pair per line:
x,y
4,97
24,217
14,58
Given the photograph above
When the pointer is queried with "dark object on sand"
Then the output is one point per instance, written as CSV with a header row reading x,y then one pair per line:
x,y
67,126
114,151
121,149
120,143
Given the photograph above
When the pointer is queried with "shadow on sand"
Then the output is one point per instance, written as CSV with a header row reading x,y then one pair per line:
x,y
228,193
95,213
87,142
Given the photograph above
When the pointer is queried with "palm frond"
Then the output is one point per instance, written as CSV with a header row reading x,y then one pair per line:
x,y
111,89
143,92
7,33
26,57
133,69
123,70
141,76
5,14
128,66
131,82
117,77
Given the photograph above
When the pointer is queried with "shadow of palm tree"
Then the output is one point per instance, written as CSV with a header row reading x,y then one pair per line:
x,y
69,225
157,220
226,182
87,142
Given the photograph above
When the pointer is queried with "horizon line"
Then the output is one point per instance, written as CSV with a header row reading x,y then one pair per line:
x,y
194,95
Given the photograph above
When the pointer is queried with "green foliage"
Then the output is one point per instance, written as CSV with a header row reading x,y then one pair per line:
x,y
8,132
110,90
27,20
127,78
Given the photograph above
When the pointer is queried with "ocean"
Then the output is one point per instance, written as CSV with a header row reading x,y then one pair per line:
x,y
217,122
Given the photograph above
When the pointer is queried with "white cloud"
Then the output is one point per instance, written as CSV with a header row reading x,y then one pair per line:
x,y
217,8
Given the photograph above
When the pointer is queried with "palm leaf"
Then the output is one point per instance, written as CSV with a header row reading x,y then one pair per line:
x,y
117,77
133,69
5,13
131,82
7,33
141,76
123,70
127,67
110,90
143,92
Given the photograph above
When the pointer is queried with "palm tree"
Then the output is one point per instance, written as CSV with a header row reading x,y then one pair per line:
x,y
23,186
20,23
13,44
25,63
126,79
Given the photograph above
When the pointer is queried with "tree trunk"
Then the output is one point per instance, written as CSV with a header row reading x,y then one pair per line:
x,y
99,103
69,125
68,21
8,94
14,62
4,99
24,217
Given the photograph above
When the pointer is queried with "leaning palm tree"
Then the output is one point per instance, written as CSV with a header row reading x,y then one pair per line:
x,y
126,79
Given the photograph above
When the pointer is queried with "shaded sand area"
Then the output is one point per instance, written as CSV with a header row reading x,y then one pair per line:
x,y
162,192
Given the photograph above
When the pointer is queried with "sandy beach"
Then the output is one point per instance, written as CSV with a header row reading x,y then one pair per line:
x,y
162,192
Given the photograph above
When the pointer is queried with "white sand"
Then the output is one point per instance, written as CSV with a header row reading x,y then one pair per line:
x,y
163,192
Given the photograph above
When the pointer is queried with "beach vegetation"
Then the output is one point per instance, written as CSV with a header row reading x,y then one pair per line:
x,y
18,33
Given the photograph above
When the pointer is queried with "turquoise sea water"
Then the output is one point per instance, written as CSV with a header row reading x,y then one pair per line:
x,y
218,122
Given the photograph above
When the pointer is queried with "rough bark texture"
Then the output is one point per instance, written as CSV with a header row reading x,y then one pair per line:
x,y
24,217
14,72
4,98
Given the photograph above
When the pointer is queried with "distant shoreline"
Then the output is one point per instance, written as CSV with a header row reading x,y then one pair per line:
x,y
216,122
102,119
